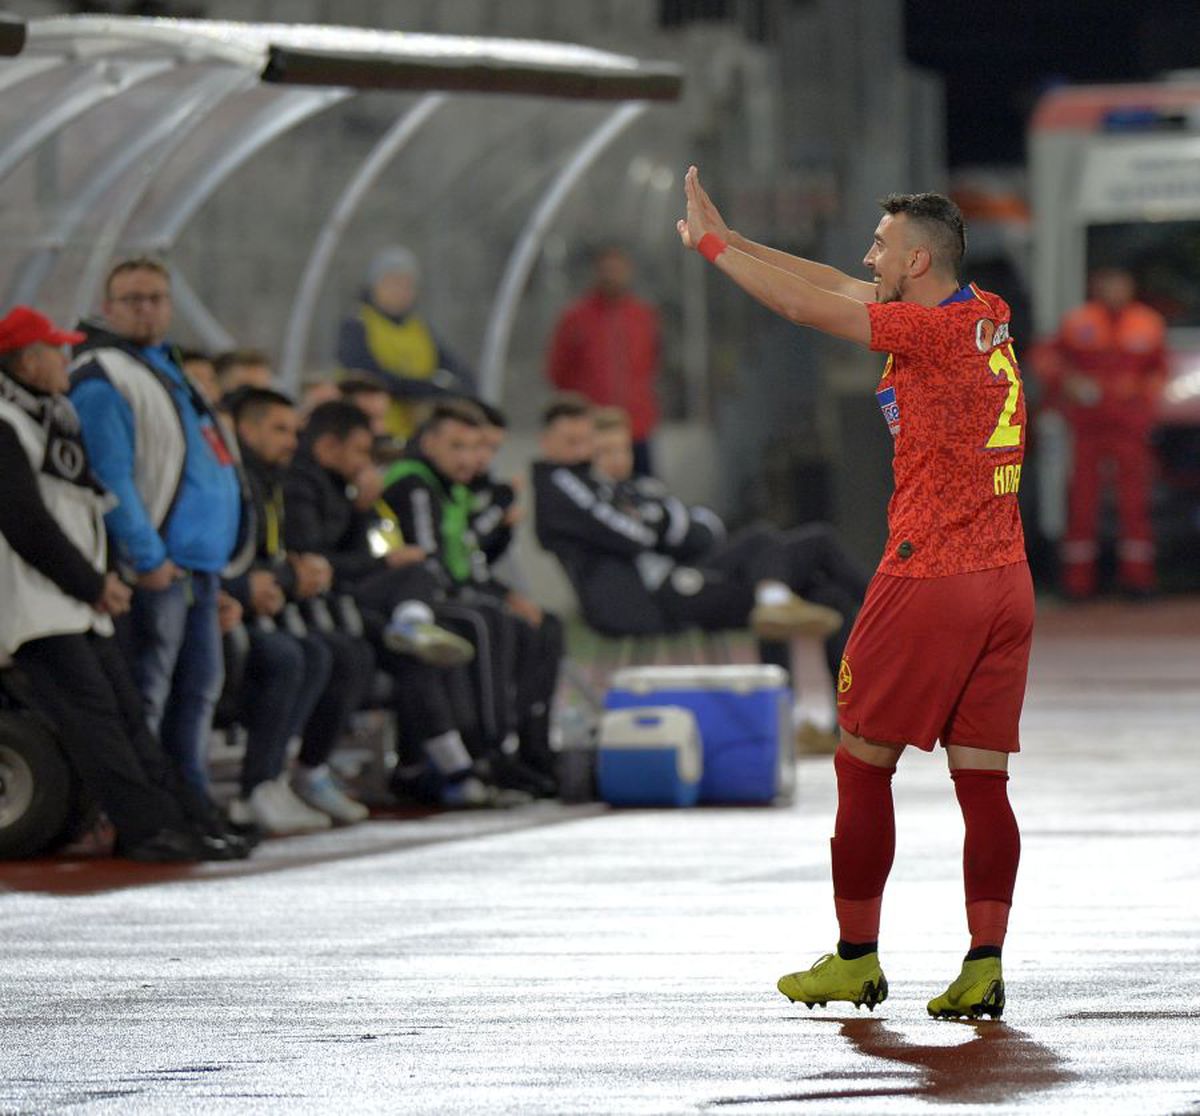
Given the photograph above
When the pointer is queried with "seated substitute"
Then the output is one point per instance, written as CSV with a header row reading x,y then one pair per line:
x,y
811,555
496,512
267,427
620,565
518,654
394,590
495,504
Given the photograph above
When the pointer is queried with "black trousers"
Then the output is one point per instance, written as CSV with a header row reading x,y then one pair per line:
x,y
539,660
810,560
422,702
379,593
352,666
485,711
285,676
84,685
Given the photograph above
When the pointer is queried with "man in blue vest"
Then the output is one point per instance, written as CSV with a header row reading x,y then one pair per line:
x,y
156,443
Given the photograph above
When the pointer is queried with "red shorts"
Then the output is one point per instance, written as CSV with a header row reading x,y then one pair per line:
x,y
940,658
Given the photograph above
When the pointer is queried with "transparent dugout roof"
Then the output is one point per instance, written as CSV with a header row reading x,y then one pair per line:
x,y
116,131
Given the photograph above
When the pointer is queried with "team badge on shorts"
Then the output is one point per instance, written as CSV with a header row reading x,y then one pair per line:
x,y
845,678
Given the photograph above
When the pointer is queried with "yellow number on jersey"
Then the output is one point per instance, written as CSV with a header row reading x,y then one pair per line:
x,y
1006,434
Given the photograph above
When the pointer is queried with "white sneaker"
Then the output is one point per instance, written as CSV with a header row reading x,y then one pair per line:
x,y
315,786
427,642
264,809
304,817
276,811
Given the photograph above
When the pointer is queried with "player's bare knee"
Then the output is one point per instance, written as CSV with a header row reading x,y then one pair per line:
x,y
961,758
876,754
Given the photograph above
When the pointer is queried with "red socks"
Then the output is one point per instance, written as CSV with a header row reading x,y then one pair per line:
x,y
991,851
863,845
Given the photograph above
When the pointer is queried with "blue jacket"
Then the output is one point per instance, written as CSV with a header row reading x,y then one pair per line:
x,y
158,446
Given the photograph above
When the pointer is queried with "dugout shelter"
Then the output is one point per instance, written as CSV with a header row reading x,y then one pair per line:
x,y
115,132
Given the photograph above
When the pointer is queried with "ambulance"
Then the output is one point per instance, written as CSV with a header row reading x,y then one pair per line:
x,y
1114,179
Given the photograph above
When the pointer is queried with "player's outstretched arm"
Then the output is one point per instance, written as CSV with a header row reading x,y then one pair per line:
x,y
818,274
788,293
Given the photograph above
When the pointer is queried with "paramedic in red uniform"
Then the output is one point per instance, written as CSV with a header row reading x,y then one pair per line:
x,y
940,648
1105,371
606,348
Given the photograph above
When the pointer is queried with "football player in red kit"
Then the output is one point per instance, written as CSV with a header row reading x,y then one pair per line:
x,y
940,649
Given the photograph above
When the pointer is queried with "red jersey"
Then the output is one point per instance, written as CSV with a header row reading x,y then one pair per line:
x,y
952,397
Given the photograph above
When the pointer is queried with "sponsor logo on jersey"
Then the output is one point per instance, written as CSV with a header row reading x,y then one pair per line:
x,y
890,408
988,335
845,679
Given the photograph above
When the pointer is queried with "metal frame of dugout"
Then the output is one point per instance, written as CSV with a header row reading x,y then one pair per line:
x,y
267,79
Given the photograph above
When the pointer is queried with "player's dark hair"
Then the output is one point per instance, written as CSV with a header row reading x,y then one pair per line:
x,y
940,220
567,404
360,385
249,404
492,414
226,362
465,411
336,418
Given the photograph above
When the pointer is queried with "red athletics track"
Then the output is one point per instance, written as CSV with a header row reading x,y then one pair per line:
x,y
572,960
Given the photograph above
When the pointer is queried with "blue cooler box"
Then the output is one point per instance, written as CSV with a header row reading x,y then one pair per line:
x,y
745,719
649,757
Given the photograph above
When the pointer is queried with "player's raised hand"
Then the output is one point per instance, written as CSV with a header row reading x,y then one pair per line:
x,y
702,216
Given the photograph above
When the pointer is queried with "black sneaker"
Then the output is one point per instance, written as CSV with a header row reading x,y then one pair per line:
x,y
167,846
226,846
509,773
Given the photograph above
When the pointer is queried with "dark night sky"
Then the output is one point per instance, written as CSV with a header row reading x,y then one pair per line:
x,y
998,55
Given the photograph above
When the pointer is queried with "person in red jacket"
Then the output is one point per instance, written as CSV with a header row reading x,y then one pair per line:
x,y
1105,370
606,348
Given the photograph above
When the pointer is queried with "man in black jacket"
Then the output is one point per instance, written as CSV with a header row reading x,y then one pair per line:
x,y
811,556
495,507
621,566
428,493
393,587
267,430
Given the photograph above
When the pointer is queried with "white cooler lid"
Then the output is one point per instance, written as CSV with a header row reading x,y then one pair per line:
x,y
663,726
744,678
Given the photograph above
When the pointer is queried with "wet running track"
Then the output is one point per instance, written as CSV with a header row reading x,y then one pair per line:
x,y
573,960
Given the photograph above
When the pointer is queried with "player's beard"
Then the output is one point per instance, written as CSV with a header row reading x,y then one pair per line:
x,y
896,294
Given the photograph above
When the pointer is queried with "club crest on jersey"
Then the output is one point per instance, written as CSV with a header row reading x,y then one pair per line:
x,y
845,679
988,335
890,408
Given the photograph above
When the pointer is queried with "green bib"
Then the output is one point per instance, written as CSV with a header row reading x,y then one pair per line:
x,y
457,543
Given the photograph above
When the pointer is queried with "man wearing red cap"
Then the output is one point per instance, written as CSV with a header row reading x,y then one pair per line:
x,y
59,602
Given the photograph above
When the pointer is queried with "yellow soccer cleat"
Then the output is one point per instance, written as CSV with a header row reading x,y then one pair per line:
x,y
858,982
979,990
